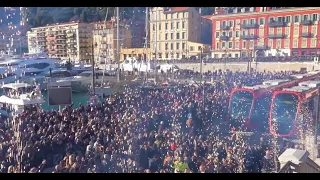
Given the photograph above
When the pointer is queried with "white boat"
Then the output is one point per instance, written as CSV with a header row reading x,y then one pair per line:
x,y
16,97
83,81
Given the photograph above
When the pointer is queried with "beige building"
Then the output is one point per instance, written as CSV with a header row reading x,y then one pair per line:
x,y
105,39
138,53
65,40
176,33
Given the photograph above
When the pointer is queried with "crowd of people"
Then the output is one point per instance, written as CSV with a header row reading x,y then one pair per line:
x,y
173,129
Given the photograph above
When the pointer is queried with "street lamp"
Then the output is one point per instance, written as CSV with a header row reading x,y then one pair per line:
x,y
225,58
201,64
93,64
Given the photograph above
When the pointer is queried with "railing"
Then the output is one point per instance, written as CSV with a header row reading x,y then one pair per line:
x,y
261,47
247,37
307,35
307,22
277,24
275,36
249,26
225,27
224,38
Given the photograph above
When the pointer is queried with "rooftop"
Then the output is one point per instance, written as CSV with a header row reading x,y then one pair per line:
x,y
177,9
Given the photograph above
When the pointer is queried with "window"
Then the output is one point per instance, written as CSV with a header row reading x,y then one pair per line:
x,y
153,27
271,30
278,43
166,46
159,26
223,45
271,19
166,16
171,46
261,32
314,30
305,17
296,18
230,34
230,45
296,30
280,19
178,35
178,56
270,43
295,43
159,37
244,45
159,46
288,19
313,42
178,15
172,26
286,43
167,55
244,21
252,21
287,31
304,43
178,46
279,30
238,22
217,46
183,46
183,35
166,25
304,29
218,24
183,24
251,45
261,21
217,34
199,48
166,36
230,23
236,45
184,14
171,36
178,25
191,48
315,17
261,42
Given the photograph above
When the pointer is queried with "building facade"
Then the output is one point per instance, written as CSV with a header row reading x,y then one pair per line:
x,y
172,30
265,31
65,41
105,40
138,53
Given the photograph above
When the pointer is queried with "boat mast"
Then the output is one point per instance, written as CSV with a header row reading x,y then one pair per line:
x,y
155,45
146,42
118,54
104,34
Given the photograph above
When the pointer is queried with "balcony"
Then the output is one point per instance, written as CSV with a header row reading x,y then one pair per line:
x,y
307,35
277,24
276,36
225,27
249,26
248,37
261,47
224,38
307,22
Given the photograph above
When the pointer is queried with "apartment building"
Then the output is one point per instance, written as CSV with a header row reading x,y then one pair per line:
x,y
137,53
63,40
265,31
175,31
105,40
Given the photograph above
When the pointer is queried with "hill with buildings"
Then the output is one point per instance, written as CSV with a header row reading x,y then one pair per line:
x,y
41,16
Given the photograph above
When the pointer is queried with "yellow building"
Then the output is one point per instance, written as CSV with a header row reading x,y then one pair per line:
x,y
138,53
174,31
63,40
105,39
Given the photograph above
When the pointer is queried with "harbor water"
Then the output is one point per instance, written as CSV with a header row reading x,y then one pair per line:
x,y
77,98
